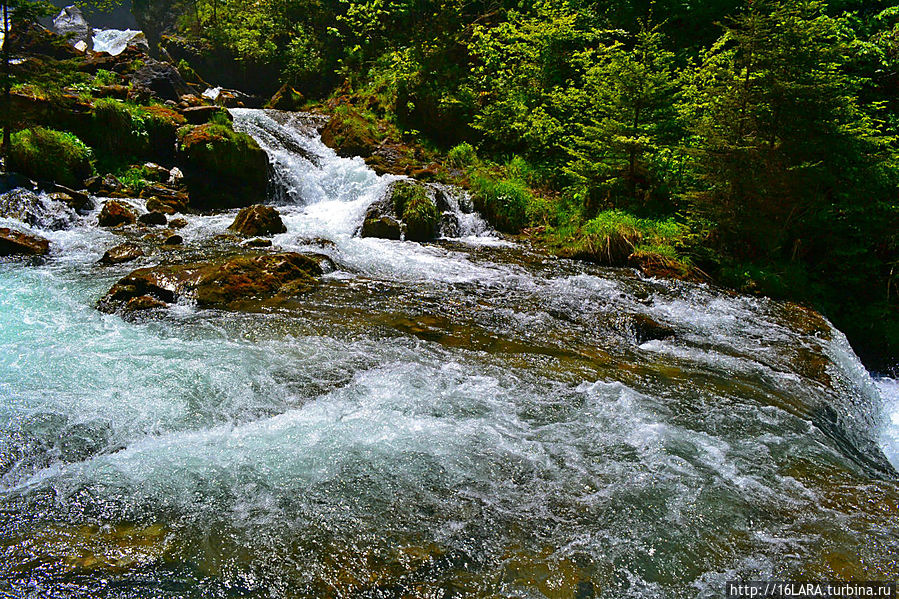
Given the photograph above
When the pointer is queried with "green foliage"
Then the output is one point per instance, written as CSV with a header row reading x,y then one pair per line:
x,y
118,128
51,155
405,192
420,215
461,155
503,202
135,178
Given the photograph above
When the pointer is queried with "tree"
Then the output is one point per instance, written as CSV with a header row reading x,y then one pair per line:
x,y
777,131
16,13
629,92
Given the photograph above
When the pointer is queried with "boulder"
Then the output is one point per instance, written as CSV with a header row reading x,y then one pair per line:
x,y
258,221
16,243
115,214
646,329
159,79
220,283
350,135
177,223
286,98
173,239
197,115
76,200
382,227
407,207
120,254
70,22
222,168
153,219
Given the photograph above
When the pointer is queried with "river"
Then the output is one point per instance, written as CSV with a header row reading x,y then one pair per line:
x,y
465,418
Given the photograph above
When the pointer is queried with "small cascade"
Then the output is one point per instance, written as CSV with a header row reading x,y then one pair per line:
x,y
115,41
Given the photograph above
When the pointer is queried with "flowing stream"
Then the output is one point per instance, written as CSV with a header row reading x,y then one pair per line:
x,y
465,418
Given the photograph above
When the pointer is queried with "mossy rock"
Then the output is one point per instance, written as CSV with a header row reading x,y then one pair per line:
x,y
349,134
222,168
229,282
49,155
421,218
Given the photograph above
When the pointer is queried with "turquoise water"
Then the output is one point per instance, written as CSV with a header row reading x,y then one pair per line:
x,y
464,418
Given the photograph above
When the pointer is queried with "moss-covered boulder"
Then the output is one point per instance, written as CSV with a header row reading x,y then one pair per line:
x,y
349,134
16,243
50,155
421,218
222,168
229,282
407,207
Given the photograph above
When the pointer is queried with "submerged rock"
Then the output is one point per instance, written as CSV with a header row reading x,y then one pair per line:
x,y
219,283
120,254
258,221
116,214
16,243
646,329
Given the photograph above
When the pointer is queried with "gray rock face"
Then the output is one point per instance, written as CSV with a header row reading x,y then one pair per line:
x,y
160,79
70,21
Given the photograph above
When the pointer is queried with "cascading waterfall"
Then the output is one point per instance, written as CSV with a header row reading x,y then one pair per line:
x,y
460,418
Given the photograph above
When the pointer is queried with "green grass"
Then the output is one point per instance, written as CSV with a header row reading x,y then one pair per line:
x,y
421,216
51,155
461,156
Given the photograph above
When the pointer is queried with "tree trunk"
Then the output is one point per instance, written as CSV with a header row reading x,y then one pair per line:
x,y
7,86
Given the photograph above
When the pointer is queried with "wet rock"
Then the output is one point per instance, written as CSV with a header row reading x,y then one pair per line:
x,y
70,22
144,302
173,240
152,219
646,329
257,221
103,186
449,225
382,227
167,201
178,223
120,254
115,214
257,242
392,158
15,243
156,172
217,283
76,200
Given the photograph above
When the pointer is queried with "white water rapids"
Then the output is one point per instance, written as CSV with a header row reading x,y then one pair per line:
x,y
464,418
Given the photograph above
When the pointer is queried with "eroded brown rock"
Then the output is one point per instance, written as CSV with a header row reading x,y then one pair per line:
x,y
219,283
16,243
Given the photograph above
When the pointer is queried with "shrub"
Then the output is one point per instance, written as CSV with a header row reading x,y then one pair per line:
x,y
503,202
461,156
51,155
615,237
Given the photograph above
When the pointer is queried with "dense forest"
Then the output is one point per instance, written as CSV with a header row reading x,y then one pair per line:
x,y
752,144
